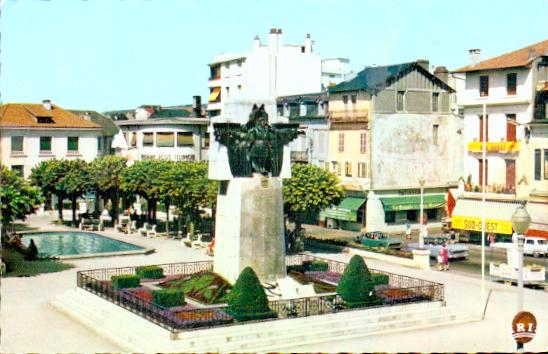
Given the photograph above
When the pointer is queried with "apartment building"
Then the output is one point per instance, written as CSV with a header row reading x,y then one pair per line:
x,y
390,128
32,133
504,101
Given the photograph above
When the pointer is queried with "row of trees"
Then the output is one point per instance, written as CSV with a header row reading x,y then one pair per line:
x,y
183,184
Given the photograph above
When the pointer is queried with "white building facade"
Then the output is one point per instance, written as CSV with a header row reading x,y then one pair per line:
x,y
32,133
267,71
504,94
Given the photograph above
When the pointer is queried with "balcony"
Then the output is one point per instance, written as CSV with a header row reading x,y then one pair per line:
x,y
504,147
349,116
299,156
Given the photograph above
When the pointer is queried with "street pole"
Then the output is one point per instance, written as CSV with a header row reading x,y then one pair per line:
x,y
421,218
483,169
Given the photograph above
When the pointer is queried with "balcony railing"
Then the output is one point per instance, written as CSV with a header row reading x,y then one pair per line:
x,y
503,146
361,115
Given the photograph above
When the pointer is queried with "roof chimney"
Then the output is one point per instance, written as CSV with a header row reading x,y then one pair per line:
x,y
532,53
308,44
474,56
87,116
424,63
442,73
257,41
46,104
197,105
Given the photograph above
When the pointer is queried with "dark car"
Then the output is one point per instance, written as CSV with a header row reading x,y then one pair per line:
x,y
378,239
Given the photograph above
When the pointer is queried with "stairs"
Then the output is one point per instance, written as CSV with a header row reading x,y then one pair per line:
x,y
140,335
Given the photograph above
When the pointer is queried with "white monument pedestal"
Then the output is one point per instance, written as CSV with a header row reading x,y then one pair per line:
x,y
249,228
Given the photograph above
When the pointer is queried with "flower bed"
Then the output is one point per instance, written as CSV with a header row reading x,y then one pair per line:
x,y
205,287
319,285
326,277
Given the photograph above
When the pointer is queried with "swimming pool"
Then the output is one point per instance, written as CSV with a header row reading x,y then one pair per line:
x,y
76,244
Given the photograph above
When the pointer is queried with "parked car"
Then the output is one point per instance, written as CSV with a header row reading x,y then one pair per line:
x,y
378,239
434,244
533,246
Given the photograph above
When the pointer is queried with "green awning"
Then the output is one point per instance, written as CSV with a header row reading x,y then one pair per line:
x,y
346,210
413,202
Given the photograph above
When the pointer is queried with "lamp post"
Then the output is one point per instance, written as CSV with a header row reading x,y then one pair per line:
x,y
520,223
421,217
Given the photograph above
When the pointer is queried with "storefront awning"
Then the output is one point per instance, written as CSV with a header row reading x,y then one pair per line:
x,y
214,94
413,202
467,216
346,210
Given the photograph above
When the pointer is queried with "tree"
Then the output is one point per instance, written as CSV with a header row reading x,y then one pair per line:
x,y
107,172
76,181
17,197
248,300
356,286
185,185
309,190
142,178
47,176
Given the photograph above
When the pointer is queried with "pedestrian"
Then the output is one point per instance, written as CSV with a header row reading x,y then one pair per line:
x,y
444,253
452,235
408,230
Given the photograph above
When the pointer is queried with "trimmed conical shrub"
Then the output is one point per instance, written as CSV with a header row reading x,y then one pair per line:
x,y
356,286
248,300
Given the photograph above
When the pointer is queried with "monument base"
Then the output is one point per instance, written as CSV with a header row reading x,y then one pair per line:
x,y
249,228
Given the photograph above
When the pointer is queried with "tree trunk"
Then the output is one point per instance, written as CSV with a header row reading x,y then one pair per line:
x,y
154,209
115,201
166,203
73,201
60,206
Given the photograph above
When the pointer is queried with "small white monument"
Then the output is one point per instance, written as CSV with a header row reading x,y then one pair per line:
x,y
249,156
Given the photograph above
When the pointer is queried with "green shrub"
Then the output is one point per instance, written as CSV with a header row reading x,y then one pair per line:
x,y
379,278
125,281
315,266
168,297
295,268
356,285
248,300
150,272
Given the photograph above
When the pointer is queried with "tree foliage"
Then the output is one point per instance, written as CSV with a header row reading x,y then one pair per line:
x,y
76,181
48,176
18,197
356,286
248,300
106,173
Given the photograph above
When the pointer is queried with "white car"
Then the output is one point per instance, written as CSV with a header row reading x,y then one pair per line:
x,y
534,246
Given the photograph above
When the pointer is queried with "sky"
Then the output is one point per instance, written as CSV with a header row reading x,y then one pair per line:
x,y
113,54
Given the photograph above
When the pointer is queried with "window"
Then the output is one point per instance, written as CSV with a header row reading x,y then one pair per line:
x,y
45,144
239,88
205,140
72,144
17,145
530,242
412,215
484,85
432,214
435,101
545,163
341,142
511,83
399,101
353,98
435,134
133,139
339,168
362,170
19,169
348,169
185,139
99,144
363,142
538,161
227,92
390,216
481,171
510,127
345,99
45,120
148,139
165,139
486,128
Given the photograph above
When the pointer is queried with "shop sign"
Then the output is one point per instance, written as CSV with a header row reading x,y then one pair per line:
x,y
474,224
524,327
503,146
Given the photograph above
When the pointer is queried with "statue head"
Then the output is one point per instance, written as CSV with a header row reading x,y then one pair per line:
x,y
258,117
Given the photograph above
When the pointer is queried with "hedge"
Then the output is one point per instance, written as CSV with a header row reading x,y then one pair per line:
x,y
125,281
315,266
150,272
168,297
356,286
379,278
248,300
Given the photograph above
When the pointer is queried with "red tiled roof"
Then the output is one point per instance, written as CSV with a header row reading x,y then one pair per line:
x,y
513,59
24,115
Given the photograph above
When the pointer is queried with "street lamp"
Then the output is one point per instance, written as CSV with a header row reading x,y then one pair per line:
x,y
520,223
421,217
